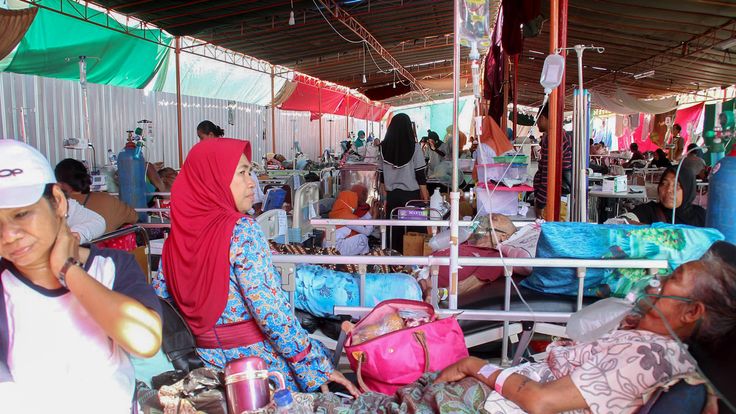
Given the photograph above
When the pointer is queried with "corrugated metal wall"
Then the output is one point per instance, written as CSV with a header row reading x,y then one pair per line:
x,y
292,125
52,109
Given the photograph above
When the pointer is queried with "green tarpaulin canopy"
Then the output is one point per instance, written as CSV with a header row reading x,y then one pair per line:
x,y
54,42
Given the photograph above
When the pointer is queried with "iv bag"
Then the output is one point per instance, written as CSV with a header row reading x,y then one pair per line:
x,y
474,26
554,68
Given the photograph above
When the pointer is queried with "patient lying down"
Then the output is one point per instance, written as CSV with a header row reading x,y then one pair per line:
x,y
615,373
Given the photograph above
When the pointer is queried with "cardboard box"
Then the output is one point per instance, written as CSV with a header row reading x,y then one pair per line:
x,y
414,243
427,251
615,184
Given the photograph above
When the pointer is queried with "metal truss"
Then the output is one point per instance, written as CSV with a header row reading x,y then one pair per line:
x,y
140,29
354,25
698,44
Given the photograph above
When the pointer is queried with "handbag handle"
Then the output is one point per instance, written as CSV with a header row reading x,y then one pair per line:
x,y
360,356
422,339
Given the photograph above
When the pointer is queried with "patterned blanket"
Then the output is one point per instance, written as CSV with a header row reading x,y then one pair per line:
x,y
466,396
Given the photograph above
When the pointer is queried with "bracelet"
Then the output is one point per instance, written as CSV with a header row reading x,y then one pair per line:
x,y
502,378
65,268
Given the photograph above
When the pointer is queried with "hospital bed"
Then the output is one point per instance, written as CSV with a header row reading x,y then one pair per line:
x,y
484,312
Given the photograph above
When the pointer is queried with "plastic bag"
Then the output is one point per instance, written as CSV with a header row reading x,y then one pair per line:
x,y
389,323
598,319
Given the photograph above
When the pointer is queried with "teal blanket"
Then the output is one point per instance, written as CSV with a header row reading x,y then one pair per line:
x,y
677,244
319,290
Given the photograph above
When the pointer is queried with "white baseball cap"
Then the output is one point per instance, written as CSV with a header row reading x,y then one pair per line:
x,y
24,173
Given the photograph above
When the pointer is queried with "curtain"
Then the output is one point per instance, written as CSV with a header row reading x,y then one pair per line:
x,y
13,26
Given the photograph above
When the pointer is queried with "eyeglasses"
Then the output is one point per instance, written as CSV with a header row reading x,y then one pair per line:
x,y
646,301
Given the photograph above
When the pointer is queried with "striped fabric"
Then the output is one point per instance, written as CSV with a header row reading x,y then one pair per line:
x,y
540,178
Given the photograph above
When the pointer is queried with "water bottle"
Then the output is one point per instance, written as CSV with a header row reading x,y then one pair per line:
x,y
132,172
598,319
285,403
441,240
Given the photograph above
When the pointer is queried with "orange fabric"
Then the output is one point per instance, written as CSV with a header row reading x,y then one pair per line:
x,y
345,205
493,136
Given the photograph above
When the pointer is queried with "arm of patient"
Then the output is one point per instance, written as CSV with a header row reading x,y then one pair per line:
x,y
533,397
363,229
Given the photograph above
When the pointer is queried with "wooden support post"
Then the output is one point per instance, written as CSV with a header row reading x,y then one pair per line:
x,y
273,109
561,43
180,136
552,212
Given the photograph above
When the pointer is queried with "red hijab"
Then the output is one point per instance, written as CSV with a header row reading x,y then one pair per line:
x,y
196,261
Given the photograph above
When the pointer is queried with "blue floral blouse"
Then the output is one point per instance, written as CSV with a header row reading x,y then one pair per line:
x,y
265,301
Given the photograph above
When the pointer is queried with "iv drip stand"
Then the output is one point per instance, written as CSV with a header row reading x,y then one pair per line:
x,y
579,190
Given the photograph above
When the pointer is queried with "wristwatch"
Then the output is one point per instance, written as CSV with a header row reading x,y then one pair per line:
x,y
62,273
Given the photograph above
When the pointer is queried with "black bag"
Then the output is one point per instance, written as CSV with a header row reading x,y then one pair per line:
x,y
178,341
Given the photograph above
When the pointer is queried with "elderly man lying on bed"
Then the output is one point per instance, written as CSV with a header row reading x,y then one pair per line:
x,y
613,374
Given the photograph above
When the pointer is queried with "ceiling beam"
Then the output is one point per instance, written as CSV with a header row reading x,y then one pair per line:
x,y
351,23
692,47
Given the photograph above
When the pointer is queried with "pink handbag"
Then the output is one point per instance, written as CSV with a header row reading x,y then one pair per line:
x,y
387,362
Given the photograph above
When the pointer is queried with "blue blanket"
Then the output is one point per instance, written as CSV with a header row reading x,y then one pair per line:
x,y
319,290
675,243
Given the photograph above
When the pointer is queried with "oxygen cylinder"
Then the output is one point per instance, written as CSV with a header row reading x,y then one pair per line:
x,y
722,197
132,173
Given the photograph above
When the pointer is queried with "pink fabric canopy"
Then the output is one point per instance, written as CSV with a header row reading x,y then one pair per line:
x,y
306,97
689,119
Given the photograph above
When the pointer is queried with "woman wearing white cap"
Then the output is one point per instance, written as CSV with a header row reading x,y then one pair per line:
x,y
69,316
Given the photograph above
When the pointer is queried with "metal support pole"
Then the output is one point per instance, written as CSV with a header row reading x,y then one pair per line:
x,y
581,286
180,136
516,93
578,196
319,95
506,307
505,117
347,115
362,269
273,109
552,212
454,195
582,138
85,101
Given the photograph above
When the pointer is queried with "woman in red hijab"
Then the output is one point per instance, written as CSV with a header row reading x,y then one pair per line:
x,y
217,268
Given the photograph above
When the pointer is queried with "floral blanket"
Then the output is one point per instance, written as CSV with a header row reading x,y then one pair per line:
x,y
466,396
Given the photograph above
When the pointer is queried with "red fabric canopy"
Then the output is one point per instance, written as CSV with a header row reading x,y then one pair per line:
x,y
306,97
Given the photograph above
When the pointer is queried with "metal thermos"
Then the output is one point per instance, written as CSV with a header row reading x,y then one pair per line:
x,y
246,384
